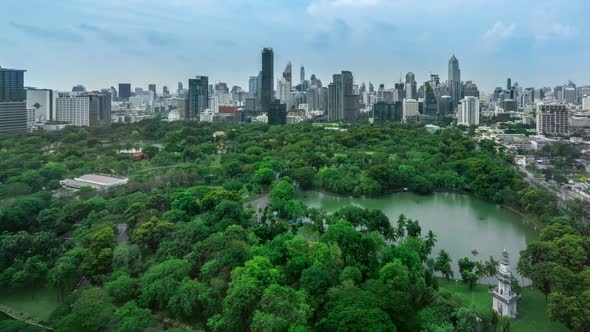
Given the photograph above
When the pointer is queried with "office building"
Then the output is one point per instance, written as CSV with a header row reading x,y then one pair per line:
x,y
198,97
84,109
343,105
277,113
252,86
430,106
124,91
79,88
445,105
165,91
42,101
266,79
13,104
383,111
454,81
470,90
468,111
284,86
586,103
335,99
569,95
180,90
411,86
552,119
411,110
302,75
152,87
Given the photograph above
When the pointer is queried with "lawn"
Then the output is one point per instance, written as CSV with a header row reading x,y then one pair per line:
x,y
35,304
532,314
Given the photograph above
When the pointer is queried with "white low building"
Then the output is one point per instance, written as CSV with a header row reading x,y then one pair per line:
x,y
97,181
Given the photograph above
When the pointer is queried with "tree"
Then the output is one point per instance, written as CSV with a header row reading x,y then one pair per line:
x,y
131,318
466,268
150,234
98,257
491,267
442,264
264,176
122,288
65,273
185,201
160,282
92,311
284,303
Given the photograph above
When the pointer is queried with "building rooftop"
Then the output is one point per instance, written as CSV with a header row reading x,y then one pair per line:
x,y
99,179
8,69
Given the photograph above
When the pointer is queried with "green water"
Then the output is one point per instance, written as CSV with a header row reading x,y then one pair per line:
x,y
462,223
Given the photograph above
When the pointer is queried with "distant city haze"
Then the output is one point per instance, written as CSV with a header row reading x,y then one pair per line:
x,y
101,43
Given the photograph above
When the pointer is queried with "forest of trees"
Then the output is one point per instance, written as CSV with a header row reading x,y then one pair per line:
x,y
195,251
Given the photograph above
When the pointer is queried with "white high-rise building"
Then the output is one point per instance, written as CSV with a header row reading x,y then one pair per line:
x,y
586,103
73,109
284,92
411,108
468,111
43,102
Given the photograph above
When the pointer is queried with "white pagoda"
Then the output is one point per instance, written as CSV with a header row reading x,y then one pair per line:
x,y
504,299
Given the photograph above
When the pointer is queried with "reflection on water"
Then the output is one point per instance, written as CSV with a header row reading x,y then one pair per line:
x,y
464,225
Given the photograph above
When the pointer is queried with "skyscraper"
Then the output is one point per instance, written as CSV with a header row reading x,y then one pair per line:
x,y
124,91
267,77
302,74
42,101
179,90
411,86
552,119
285,85
277,113
454,81
198,97
152,87
469,111
430,104
13,101
84,109
342,103
165,91
252,86
508,84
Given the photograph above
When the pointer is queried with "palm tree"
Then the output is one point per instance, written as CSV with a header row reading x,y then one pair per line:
x,y
480,270
429,242
401,226
491,267
442,264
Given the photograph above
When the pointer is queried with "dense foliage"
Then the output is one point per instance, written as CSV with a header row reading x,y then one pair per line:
x,y
180,241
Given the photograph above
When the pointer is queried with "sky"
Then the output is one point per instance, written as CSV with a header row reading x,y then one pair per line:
x,y
62,43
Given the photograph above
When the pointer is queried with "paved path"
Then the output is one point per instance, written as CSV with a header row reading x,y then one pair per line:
x,y
122,236
13,315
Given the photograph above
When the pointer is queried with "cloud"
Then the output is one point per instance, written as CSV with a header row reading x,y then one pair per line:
x,y
317,6
338,31
498,33
44,33
156,38
108,36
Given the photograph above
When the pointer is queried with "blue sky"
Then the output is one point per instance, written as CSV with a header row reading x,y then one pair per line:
x,y
99,43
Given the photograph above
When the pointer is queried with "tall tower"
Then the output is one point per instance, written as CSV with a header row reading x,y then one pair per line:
x,y
454,81
504,299
267,77
302,74
411,86
198,96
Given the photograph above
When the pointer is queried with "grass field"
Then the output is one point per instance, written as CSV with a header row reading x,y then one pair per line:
x,y
532,309
35,304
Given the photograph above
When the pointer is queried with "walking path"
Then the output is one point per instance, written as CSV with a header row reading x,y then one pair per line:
x,y
14,315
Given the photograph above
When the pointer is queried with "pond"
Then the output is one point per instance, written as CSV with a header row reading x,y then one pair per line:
x,y
462,223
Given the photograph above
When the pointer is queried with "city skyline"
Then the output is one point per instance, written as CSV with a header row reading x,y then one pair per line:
x,y
113,42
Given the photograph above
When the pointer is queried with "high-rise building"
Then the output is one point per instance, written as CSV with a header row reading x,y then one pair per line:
x,y
468,111
430,105
445,105
124,91
343,105
284,86
470,90
383,111
165,91
454,81
180,90
252,86
79,88
411,86
13,104
411,109
586,102
267,79
302,75
152,87
509,84
335,99
569,95
277,113
42,101
552,119
198,97
84,109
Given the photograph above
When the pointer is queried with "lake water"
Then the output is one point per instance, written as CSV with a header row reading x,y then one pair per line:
x,y
462,223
